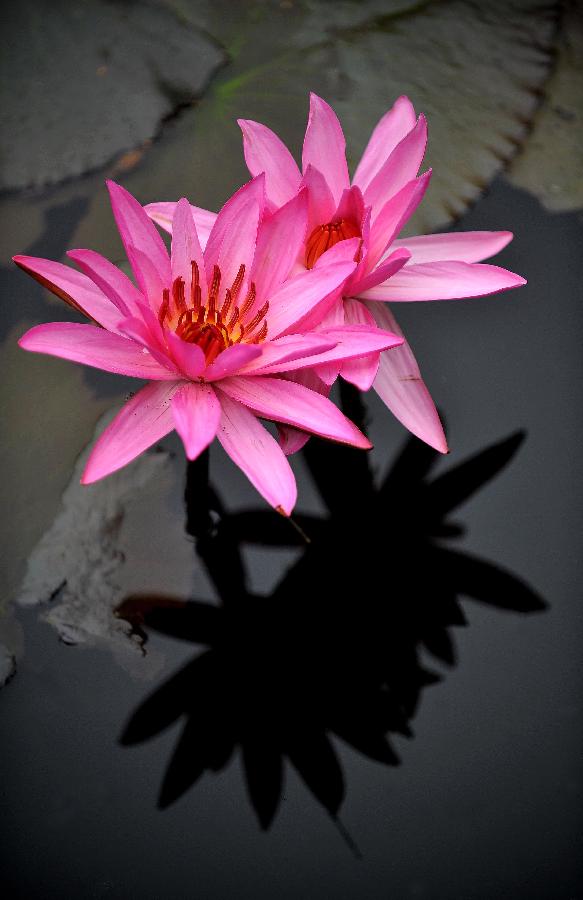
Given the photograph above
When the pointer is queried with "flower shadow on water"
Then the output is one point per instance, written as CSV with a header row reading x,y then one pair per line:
x,y
337,649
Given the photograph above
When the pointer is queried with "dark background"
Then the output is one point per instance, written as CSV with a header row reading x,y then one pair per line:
x,y
486,801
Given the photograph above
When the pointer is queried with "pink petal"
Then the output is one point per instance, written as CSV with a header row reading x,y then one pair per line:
x,y
463,246
233,239
152,330
279,243
256,452
163,215
138,331
186,249
148,277
189,358
286,349
285,401
326,373
114,283
393,264
401,166
361,371
231,360
144,420
321,203
400,386
343,251
393,216
137,230
335,317
325,147
300,294
351,206
94,347
73,287
291,440
391,129
196,412
265,152
351,342
444,281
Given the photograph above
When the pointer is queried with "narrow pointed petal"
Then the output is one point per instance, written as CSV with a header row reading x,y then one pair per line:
x,y
114,283
256,452
75,288
153,328
351,342
362,371
391,129
394,215
148,277
265,152
401,166
286,349
300,294
325,147
94,347
293,404
196,412
188,357
326,372
145,419
138,331
393,264
343,251
291,440
186,248
233,239
321,203
163,215
351,206
279,243
444,281
399,384
231,360
138,230
462,246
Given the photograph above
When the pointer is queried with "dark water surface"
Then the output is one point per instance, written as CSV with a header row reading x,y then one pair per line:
x,y
487,799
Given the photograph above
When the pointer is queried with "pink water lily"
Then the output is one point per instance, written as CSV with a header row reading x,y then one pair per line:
x,y
212,332
362,220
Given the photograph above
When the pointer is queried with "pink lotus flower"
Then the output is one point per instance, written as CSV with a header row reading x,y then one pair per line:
x,y
211,332
362,221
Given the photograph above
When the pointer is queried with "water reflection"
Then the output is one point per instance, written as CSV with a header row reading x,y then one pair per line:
x,y
337,649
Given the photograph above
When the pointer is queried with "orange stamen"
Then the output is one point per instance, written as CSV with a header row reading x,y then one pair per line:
x,y
323,237
208,324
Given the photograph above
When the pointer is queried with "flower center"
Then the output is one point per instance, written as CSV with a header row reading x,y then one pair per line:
x,y
325,236
211,326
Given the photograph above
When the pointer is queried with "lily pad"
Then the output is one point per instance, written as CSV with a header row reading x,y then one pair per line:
x,y
551,166
50,413
476,70
98,548
82,82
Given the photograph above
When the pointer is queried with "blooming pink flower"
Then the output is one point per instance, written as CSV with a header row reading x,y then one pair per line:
x,y
362,221
211,332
